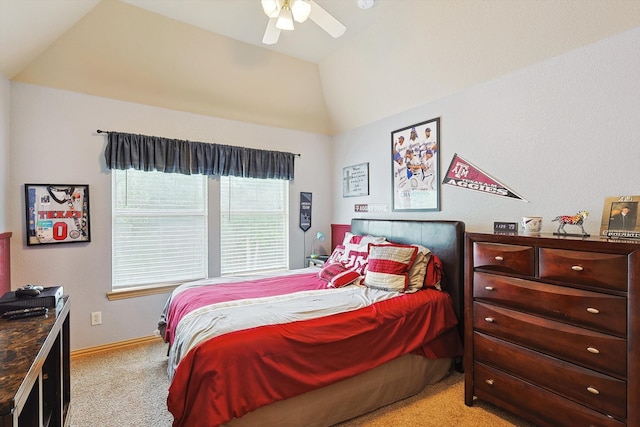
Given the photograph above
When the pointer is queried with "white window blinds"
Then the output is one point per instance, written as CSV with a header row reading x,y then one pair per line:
x,y
159,228
254,229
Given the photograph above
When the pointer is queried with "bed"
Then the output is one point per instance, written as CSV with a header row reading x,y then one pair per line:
x,y
309,355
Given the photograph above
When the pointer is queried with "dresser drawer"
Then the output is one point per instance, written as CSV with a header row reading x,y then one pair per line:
x,y
604,313
541,406
594,350
600,392
607,271
505,258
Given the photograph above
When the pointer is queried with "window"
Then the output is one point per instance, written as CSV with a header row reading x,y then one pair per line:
x,y
159,228
254,229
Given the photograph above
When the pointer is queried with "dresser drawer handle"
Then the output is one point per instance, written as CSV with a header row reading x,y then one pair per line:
x,y
488,288
593,390
593,310
593,350
489,381
488,319
577,268
499,258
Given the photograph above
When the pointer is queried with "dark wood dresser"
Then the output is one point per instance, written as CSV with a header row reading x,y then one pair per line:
x,y
552,329
35,384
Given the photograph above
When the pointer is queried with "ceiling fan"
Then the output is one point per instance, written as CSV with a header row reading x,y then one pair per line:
x,y
282,13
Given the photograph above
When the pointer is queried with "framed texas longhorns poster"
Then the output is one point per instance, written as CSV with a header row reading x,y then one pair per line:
x,y
57,213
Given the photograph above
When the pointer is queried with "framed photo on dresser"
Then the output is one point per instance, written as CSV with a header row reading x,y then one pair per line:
x,y
57,213
620,217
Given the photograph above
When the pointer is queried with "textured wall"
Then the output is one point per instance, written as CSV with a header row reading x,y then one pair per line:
x,y
54,141
562,133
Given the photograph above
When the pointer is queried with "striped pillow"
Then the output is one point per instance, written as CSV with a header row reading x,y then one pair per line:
x,y
388,266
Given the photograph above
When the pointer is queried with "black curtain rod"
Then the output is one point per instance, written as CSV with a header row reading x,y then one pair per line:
x,y
106,131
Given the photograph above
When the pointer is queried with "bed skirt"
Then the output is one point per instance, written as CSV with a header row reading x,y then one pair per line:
x,y
395,380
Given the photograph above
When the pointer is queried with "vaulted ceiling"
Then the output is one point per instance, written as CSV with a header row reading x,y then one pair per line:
x,y
206,56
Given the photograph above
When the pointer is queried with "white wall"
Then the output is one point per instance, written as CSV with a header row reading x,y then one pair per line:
x,y
564,134
5,97
54,140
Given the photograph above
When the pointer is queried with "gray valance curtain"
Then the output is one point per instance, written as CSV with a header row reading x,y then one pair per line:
x,y
152,153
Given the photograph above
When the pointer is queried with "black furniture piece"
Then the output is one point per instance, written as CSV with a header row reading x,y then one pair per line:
x,y
35,384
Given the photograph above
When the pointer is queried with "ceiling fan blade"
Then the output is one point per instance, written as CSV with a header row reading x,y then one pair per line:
x,y
272,33
326,21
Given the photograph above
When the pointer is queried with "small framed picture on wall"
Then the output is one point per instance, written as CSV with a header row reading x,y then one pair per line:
x,y
355,180
415,159
57,213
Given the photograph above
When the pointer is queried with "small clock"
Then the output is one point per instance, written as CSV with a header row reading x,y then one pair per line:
x,y
505,227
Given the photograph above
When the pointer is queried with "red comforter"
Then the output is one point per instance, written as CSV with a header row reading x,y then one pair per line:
x,y
232,374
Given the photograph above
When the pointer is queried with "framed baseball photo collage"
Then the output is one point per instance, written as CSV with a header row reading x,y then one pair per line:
x,y
415,158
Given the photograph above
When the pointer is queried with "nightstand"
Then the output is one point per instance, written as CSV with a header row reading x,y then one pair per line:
x,y
319,261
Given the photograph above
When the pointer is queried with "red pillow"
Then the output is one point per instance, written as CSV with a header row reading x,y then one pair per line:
x,y
337,275
351,238
434,275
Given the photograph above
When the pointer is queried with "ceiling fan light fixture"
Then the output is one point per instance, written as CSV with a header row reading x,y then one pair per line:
x,y
285,18
271,7
282,13
300,10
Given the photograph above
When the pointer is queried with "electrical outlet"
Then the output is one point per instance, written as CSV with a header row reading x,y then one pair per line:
x,y
96,318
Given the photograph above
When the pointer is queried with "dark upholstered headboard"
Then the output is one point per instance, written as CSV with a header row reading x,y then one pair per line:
x,y
444,238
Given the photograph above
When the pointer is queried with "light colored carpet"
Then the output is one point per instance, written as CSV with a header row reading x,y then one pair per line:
x,y
128,387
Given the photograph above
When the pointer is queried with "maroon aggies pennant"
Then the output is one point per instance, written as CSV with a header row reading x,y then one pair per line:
x,y
463,174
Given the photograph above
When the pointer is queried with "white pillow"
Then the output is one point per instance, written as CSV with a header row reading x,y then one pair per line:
x,y
418,269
